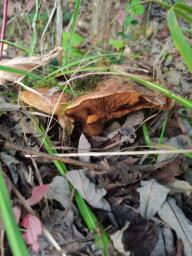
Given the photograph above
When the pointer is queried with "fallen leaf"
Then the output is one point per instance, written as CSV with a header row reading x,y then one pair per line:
x,y
171,214
180,186
178,142
12,163
134,119
88,190
120,174
59,190
84,146
26,64
139,237
38,193
24,125
117,239
45,100
113,98
168,173
123,214
33,228
173,77
4,107
64,229
165,243
152,197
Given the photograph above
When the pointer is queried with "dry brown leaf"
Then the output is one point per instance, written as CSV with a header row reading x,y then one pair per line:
x,y
45,101
26,64
112,99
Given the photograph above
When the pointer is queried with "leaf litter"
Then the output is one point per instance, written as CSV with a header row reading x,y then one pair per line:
x,y
119,172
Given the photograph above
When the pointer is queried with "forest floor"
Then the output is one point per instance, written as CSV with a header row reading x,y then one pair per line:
x,y
95,154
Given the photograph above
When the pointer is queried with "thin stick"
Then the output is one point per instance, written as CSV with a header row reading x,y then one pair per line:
x,y
30,152
5,9
127,153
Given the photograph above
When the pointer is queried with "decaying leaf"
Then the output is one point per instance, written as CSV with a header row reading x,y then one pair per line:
x,y
84,146
59,190
88,190
139,237
152,197
180,141
165,243
33,230
175,218
117,239
112,99
135,233
26,64
38,192
180,186
133,119
46,101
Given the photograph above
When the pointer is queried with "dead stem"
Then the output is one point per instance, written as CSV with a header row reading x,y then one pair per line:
x,y
34,153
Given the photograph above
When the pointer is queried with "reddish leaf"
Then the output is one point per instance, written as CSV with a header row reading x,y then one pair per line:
x,y
38,193
17,213
33,230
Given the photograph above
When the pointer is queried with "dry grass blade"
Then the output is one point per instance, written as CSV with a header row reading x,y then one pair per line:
x,y
26,64
46,101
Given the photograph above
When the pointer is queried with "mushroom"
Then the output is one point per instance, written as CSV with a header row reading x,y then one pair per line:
x,y
50,103
113,98
45,101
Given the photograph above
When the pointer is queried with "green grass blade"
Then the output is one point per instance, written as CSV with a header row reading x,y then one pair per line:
x,y
184,7
15,239
62,70
14,45
146,135
182,13
181,9
74,22
157,87
87,214
179,39
19,72
163,128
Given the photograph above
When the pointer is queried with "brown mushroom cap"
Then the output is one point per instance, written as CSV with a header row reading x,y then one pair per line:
x,y
113,98
43,100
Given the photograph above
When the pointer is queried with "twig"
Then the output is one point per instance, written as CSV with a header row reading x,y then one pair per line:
x,y
30,152
127,153
5,9
59,24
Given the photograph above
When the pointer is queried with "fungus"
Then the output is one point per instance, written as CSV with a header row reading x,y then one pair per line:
x,y
113,98
45,101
